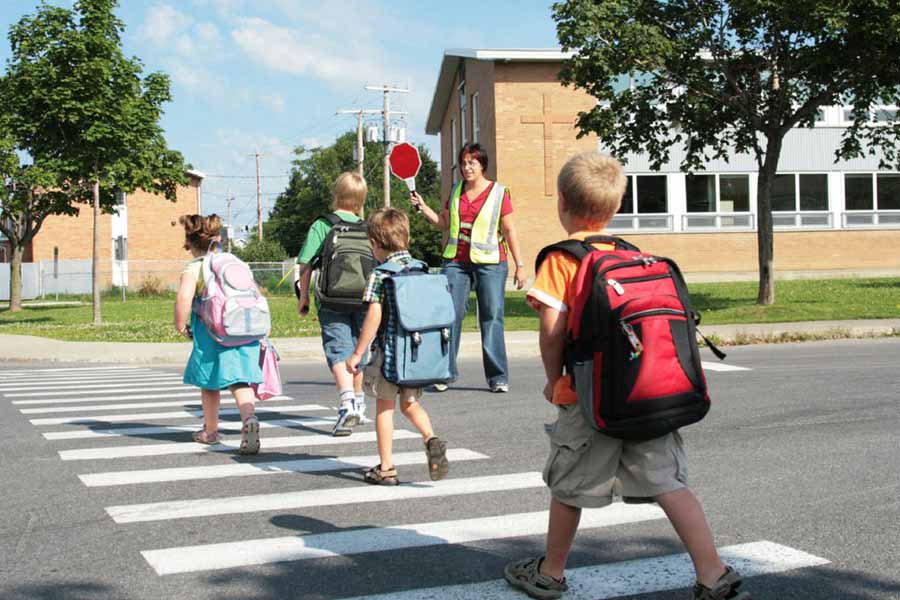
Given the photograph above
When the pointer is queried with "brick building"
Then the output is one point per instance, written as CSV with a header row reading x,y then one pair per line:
x,y
140,238
828,217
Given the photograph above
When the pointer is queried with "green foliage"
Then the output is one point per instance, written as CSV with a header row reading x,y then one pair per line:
x,y
715,78
267,250
309,194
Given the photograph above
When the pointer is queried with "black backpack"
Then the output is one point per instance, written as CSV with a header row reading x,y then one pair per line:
x,y
344,264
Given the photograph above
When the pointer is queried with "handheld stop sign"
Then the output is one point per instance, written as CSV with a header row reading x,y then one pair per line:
x,y
405,163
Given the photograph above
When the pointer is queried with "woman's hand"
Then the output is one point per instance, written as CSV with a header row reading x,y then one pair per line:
x,y
520,276
416,201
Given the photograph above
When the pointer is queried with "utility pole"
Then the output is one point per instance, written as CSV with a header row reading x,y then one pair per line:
x,y
360,145
228,201
386,134
259,228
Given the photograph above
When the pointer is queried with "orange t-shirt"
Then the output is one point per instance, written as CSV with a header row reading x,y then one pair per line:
x,y
553,287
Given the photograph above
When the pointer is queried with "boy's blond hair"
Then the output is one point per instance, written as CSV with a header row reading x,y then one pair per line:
x,y
350,191
389,228
592,185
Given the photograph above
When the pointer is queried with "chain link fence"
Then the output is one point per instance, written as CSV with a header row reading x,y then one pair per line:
x,y
51,279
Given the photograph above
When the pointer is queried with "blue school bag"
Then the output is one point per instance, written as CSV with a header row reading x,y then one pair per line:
x,y
420,317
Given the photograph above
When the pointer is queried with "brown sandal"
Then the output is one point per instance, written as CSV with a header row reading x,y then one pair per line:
x,y
378,476
204,437
436,453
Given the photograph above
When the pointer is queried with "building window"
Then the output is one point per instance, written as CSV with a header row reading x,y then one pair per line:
x,y
717,193
121,198
120,248
803,192
888,191
784,193
885,114
848,115
813,191
859,191
476,130
647,193
454,168
463,113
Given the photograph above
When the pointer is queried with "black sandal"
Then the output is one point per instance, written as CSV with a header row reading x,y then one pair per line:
x,y
378,476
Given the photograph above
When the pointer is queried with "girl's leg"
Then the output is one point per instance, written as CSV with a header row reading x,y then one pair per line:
x,y
245,399
210,400
384,431
413,411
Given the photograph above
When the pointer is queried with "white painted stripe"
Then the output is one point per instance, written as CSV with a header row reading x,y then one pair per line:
x,y
632,577
181,414
83,385
243,469
140,431
206,507
94,379
718,366
72,369
207,557
139,405
295,441
192,394
118,388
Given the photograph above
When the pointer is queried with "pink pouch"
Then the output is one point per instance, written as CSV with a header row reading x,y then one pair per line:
x,y
268,362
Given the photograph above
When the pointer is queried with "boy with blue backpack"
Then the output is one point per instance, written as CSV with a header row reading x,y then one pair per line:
x,y
617,340
337,246
413,342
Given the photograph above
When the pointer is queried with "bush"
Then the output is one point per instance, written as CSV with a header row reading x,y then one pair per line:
x,y
152,286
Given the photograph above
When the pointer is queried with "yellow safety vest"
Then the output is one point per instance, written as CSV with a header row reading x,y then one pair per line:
x,y
484,243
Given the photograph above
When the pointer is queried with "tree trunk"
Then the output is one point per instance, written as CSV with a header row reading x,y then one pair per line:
x,y
765,235
15,277
95,258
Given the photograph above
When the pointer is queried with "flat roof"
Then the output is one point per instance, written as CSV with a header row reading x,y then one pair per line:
x,y
195,173
450,64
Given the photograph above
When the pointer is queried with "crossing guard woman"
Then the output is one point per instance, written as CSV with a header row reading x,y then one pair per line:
x,y
478,223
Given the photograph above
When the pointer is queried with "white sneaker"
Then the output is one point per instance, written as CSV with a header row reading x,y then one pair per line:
x,y
347,419
440,387
360,408
500,388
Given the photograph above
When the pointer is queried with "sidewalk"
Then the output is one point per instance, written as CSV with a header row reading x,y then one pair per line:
x,y
520,344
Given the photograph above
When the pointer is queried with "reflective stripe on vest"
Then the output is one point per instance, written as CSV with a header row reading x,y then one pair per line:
x,y
485,247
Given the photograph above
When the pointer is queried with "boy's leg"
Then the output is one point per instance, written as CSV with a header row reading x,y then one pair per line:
x,y
338,344
686,515
412,410
210,400
460,281
490,289
384,431
561,530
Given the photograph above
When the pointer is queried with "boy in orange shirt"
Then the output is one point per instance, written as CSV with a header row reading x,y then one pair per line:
x,y
586,468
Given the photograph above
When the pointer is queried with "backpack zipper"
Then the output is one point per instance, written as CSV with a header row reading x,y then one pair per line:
x,y
652,312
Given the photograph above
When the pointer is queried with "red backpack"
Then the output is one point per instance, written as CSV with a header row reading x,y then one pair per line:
x,y
631,341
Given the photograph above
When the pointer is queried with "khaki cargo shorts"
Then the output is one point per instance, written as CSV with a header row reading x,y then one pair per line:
x,y
587,468
374,383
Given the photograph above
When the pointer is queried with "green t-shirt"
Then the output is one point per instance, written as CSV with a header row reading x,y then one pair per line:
x,y
318,231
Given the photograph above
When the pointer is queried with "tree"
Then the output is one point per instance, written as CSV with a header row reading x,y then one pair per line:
x,y
78,103
309,194
30,194
721,77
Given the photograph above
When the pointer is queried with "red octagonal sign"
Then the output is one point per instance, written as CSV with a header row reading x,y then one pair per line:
x,y
405,163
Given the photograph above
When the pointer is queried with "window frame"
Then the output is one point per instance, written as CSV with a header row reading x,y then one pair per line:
x,y
476,130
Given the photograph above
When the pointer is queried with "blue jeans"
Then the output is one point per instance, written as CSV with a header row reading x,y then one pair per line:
x,y
340,333
490,290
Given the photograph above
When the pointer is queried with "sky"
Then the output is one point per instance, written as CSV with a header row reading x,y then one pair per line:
x,y
268,75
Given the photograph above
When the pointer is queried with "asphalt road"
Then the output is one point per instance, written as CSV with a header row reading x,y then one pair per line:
x,y
796,465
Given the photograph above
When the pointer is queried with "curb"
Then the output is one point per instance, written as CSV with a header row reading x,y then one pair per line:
x,y
519,344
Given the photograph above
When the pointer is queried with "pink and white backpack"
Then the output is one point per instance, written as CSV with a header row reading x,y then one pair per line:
x,y
232,307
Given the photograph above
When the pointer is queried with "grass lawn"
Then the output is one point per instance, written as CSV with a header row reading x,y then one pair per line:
x,y
149,319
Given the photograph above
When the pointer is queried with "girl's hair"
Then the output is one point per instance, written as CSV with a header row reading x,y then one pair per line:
x,y
350,191
200,231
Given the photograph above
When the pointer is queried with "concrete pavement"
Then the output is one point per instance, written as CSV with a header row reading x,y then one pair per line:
x,y
520,344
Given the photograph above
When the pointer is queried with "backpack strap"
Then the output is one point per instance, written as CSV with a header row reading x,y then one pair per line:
x,y
581,248
393,268
331,218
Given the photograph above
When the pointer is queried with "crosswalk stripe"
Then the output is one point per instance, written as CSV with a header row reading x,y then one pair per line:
x,y
130,388
306,465
84,385
629,578
717,366
62,370
103,379
192,394
295,441
139,431
181,414
140,405
207,557
205,507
